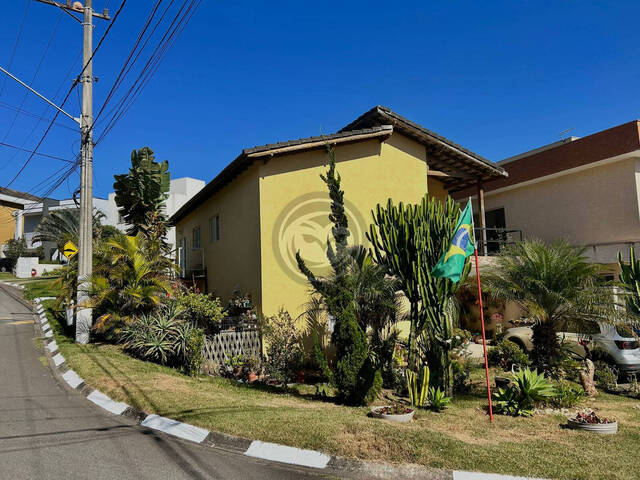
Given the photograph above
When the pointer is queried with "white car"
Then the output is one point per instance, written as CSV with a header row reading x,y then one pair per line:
x,y
615,343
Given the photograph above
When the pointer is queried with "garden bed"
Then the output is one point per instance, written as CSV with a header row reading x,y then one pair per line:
x,y
458,438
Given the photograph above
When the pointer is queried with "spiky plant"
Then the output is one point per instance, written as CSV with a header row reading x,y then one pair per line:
x,y
408,241
630,281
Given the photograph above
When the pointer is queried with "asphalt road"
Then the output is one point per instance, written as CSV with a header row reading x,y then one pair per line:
x,y
50,432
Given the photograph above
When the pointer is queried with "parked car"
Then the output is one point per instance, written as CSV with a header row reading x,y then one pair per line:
x,y
615,344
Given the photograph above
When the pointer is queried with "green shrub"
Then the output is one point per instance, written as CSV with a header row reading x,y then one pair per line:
x,y
203,310
529,389
605,376
506,354
438,400
284,353
567,395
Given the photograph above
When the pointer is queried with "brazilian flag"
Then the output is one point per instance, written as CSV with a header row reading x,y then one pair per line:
x,y
452,261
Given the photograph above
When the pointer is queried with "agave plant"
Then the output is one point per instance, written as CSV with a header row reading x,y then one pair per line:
x,y
529,389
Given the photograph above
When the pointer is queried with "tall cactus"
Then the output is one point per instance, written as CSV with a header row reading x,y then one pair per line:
x,y
409,240
630,278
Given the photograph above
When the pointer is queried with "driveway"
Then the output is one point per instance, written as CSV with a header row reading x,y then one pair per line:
x,y
48,432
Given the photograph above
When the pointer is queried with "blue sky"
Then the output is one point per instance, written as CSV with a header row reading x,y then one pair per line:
x,y
497,77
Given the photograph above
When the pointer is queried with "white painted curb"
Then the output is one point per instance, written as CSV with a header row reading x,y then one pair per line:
x,y
49,334
72,379
175,428
105,402
46,327
284,454
58,359
52,346
487,476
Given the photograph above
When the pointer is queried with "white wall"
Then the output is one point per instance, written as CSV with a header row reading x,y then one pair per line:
x,y
180,191
596,206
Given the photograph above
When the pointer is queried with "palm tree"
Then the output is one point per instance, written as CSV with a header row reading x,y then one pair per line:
x,y
61,226
130,278
552,283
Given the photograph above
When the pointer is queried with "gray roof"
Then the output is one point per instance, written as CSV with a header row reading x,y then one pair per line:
x,y
17,194
462,165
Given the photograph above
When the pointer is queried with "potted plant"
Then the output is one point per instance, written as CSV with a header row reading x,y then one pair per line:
x,y
251,369
591,422
397,412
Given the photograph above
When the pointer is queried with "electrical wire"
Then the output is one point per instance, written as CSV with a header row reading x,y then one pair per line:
x,y
34,151
15,45
35,75
20,149
27,113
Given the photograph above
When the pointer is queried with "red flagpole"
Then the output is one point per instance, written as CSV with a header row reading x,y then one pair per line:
x,y
484,337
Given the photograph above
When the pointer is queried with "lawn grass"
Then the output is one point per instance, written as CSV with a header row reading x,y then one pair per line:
x,y
459,438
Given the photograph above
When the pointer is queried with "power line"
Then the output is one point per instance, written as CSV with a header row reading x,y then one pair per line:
x,y
44,135
35,75
175,28
37,153
27,113
15,45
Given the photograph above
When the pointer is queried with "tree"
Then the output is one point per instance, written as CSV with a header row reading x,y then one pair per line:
x,y
552,283
130,278
141,193
15,249
61,226
408,241
356,295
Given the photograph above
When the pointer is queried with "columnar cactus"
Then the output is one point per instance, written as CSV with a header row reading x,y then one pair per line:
x,y
409,240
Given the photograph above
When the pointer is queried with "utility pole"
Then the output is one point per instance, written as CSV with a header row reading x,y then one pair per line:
x,y
84,318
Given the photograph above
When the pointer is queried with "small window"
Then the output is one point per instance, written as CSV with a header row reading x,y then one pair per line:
x,y
196,237
214,228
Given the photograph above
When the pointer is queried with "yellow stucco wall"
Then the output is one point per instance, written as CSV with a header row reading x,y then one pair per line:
x,y
234,259
295,207
7,224
281,205
436,189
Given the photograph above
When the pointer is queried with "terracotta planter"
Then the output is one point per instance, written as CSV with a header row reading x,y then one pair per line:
x,y
601,428
252,377
398,418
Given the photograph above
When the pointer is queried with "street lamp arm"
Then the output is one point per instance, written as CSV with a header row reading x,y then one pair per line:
x,y
77,120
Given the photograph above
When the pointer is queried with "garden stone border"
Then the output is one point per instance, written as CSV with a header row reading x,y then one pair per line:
x,y
252,448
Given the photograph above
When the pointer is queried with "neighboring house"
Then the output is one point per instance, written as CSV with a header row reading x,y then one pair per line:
x,y
180,191
586,190
33,213
12,203
244,228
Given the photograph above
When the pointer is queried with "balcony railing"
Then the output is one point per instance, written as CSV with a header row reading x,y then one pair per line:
x,y
190,261
496,239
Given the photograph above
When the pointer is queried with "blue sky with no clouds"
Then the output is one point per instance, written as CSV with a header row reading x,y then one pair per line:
x,y
497,77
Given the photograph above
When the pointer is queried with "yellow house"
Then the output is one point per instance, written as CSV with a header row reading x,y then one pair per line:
x,y
12,202
244,228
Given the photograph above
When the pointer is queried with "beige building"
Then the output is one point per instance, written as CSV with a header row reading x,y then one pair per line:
x,y
243,229
586,190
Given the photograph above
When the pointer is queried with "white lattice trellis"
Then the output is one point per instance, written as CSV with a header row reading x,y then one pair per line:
x,y
228,344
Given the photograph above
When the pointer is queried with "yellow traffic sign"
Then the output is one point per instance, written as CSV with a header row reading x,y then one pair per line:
x,y
69,250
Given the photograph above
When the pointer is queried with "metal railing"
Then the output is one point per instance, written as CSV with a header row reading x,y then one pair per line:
x,y
496,239
190,260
